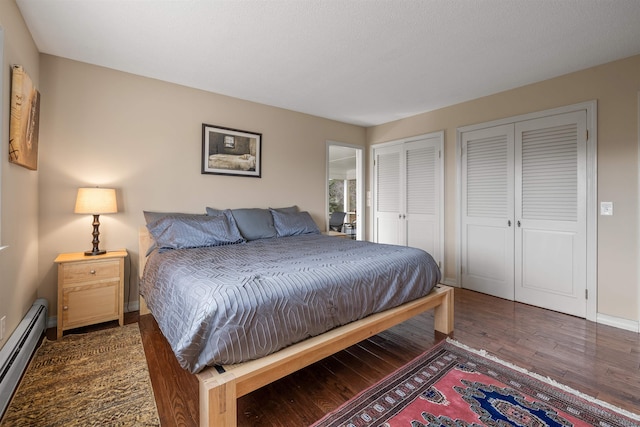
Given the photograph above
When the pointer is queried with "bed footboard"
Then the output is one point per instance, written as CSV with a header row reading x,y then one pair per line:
x,y
220,391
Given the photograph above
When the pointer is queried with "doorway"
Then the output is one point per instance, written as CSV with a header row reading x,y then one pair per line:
x,y
345,189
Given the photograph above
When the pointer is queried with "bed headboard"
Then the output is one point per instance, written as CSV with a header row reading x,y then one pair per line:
x,y
144,243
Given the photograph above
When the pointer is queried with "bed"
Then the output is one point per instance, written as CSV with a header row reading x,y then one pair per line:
x,y
243,162
261,346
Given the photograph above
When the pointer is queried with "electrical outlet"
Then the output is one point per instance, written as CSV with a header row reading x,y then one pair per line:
x,y
3,327
606,208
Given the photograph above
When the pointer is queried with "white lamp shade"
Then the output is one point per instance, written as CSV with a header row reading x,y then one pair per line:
x,y
96,201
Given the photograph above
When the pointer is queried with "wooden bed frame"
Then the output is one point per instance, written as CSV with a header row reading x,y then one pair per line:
x,y
220,391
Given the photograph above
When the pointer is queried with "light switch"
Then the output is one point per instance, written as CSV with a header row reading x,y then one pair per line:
x,y
606,208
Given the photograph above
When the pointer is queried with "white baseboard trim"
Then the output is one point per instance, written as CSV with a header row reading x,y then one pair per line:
x,y
449,282
618,322
132,306
52,322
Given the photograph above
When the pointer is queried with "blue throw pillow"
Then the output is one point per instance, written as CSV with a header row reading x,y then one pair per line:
x,y
293,224
288,209
253,223
179,232
214,212
151,216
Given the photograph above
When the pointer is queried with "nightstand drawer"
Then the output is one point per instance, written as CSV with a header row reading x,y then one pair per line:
x,y
90,271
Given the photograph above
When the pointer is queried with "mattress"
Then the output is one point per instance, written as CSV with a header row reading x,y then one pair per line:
x,y
229,304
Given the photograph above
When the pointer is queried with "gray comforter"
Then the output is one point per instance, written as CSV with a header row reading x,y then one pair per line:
x,y
228,304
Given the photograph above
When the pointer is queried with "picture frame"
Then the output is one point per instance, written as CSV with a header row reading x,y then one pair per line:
x,y
227,151
25,120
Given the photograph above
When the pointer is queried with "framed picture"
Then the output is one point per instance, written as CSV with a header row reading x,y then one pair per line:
x,y
231,151
24,123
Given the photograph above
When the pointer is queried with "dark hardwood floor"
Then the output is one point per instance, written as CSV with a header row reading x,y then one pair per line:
x,y
598,360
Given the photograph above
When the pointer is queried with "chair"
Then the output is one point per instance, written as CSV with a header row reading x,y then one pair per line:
x,y
336,221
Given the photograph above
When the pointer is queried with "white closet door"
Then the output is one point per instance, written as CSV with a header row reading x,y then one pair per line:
x,y
550,234
422,177
487,256
388,197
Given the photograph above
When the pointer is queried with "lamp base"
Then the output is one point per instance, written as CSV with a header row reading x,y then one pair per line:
x,y
92,253
96,232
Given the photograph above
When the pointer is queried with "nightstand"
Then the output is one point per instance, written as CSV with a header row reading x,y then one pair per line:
x,y
90,289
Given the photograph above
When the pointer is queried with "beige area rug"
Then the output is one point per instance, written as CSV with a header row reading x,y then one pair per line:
x,y
95,379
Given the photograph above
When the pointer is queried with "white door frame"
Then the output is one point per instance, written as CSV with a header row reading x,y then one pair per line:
x,y
592,190
1,120
360,217
638,225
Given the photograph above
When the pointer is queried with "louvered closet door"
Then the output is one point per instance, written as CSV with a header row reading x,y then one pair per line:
x,y
550,240
389,207
487,255
422,177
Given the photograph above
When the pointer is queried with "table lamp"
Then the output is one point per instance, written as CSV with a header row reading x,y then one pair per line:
x,y
96,201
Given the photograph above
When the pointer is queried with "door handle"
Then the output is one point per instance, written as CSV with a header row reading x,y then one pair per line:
x,y
509,223
518,223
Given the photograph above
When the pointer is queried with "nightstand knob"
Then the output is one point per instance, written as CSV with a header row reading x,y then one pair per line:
x,y
92,272
66,307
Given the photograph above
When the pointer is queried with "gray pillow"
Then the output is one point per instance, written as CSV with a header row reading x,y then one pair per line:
x,y
212,211
289,209
293,224
253,223
178,232
150,216
215,212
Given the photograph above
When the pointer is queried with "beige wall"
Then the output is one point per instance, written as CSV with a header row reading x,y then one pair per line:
x,y
615,86
19,196
143,137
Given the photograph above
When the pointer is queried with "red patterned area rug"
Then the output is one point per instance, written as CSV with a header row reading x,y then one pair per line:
x,y
454,386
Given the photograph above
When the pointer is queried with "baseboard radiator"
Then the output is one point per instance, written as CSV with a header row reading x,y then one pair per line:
x,y
17,351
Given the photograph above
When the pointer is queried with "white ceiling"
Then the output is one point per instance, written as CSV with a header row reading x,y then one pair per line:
x,y
364,62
